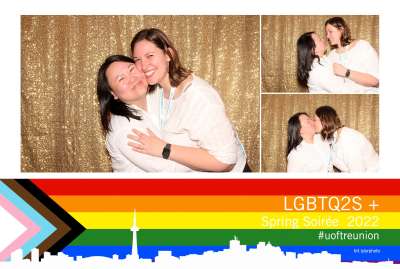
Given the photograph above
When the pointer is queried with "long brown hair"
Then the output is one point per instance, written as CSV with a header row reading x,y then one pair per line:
x,y
340,24
330,121
177,73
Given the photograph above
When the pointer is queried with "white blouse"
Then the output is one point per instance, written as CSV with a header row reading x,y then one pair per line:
x,y
124,159
308,157
322,79
198,119
352,152
362,57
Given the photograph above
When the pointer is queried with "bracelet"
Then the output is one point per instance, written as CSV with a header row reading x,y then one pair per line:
x,y
347,73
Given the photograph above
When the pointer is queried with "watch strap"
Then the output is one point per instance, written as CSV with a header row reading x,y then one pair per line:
x,y
166,151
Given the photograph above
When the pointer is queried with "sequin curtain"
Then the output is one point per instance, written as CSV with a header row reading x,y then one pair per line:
x,y
279,37
360,112
61,55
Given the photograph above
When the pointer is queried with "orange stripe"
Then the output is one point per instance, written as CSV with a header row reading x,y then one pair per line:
x,y
242,203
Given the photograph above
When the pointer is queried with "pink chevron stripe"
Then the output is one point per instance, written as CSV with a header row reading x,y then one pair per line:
x,y
31,228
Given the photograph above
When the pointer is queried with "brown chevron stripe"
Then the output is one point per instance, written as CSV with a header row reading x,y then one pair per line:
x,y
62,228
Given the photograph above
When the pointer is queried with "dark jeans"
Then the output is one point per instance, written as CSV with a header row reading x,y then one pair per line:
x,y
246,168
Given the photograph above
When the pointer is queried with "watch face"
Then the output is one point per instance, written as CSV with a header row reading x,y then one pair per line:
x,y
166,151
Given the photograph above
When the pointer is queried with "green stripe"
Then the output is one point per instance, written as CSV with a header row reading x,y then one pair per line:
x,y
150,237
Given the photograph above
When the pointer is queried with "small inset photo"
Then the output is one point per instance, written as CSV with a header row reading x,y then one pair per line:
x,y
320,133
320,54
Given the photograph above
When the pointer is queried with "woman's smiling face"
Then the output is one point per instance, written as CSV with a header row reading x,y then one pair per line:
x,y
127,82
153,61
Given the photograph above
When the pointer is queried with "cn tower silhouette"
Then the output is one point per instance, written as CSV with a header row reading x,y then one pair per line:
x,y
134,231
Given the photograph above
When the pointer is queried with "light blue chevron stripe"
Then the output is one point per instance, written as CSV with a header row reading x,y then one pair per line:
x,y
46,228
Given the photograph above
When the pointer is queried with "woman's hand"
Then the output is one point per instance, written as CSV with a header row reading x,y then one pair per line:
x,y
148,144
196,158
339,70
364,79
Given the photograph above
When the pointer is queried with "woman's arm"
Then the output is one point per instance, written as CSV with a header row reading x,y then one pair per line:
x,y
195,158
366,59
322,77
358,77
118,147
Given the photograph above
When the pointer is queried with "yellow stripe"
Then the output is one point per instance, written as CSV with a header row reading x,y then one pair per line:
x,y
239,220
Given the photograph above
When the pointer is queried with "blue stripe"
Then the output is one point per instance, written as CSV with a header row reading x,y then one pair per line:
x,y
348,253
46,228
352,253
145,252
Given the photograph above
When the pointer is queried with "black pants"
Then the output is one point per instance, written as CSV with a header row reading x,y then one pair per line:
x,y
246,168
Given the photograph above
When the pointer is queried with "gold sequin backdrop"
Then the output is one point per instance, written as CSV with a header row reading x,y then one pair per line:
x,y
279,35
357,111
61,55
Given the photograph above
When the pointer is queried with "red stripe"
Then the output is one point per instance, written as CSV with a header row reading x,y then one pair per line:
x,y
219,186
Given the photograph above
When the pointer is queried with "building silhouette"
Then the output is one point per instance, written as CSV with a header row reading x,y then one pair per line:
x,y
134,230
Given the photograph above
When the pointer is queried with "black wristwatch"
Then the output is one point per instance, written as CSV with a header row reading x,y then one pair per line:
x,y
166,151
347,73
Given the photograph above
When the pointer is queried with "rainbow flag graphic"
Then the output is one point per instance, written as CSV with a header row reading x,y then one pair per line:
x,y
359,219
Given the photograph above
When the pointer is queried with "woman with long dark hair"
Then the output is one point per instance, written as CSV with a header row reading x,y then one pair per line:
x,y
186,108
121,91
351,151
314,69
306,152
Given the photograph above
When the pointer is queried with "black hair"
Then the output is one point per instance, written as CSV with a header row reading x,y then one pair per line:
x,y
109,105
305,57
293,132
